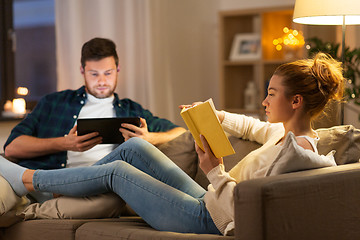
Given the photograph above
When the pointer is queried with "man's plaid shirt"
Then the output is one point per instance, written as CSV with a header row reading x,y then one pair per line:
x,y
55,115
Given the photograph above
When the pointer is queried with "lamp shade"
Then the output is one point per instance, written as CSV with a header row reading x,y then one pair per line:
x,y
327,12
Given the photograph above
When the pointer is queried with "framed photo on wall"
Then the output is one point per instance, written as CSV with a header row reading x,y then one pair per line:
x,y
245,47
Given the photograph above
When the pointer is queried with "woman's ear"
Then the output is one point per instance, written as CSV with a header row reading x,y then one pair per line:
x,y
297,101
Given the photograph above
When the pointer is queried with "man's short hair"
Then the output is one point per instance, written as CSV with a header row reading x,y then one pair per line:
x,y
97,49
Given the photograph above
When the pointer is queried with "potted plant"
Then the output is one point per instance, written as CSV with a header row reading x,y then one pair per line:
x,y
351,65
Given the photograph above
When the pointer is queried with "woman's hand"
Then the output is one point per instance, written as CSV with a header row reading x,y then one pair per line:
x,y
220,114
189,105
207,160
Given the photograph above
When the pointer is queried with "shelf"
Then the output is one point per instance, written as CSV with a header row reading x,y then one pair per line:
x,y
269,24
241,62
276,61
235,75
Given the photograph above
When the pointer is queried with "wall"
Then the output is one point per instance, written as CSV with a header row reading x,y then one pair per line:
x,y
245,4
185,47
185,40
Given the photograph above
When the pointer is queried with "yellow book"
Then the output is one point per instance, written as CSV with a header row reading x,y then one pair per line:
x,y
202,119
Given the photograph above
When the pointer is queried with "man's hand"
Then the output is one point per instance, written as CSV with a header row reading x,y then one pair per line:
x,y
129,130
76,143
207,160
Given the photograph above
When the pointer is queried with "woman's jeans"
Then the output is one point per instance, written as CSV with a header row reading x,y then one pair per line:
x,y
154,187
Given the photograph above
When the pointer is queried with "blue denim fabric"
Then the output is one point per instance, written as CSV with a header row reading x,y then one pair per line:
x,y
155,188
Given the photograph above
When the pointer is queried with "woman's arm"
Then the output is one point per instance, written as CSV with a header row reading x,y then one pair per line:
x,y
207,160
250,128
222,184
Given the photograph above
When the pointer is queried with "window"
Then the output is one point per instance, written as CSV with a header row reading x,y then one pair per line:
x,y
30,50
6,52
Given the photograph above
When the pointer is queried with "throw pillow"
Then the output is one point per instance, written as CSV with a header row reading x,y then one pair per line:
x,y
344,139
10,204
293,157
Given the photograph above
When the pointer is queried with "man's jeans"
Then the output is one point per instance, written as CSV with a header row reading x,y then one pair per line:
x,y
154,187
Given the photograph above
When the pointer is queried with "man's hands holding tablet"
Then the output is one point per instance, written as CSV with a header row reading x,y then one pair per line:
x,y
110,130
129,130
76,143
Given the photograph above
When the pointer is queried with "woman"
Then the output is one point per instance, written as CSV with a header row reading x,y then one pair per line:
x,y
162,194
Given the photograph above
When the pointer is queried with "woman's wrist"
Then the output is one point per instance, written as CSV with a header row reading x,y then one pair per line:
x,y
221,115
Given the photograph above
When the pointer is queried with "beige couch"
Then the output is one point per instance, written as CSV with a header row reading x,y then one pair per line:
x,y
312,204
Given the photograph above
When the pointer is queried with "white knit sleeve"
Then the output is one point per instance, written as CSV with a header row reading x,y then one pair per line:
x,y
250,128
222,185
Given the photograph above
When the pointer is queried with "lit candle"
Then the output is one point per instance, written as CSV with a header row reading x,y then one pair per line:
x,y
8,106
19,106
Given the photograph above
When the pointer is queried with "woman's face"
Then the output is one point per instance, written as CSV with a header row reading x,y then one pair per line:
x,y
278,107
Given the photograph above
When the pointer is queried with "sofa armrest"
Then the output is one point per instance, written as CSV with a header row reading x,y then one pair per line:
x,y
313,204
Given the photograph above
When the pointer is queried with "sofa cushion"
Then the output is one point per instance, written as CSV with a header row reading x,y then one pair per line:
x,y
133,228
54,229
242,148
293,157
344,139
10,204
181,151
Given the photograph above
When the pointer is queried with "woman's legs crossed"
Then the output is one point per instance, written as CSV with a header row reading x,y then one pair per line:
x,y
152,161
160,205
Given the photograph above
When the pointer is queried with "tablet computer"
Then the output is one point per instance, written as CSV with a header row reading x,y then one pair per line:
x,y
108,128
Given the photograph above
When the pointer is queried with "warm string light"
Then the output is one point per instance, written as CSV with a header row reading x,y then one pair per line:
x,y
23,91
291,38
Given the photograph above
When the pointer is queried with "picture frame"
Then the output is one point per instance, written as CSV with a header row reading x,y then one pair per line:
x,y
246,47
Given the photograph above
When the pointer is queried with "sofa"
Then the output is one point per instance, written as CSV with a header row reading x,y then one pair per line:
x,y
320,203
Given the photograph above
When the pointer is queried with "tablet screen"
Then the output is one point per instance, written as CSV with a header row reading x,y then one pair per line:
x,y
108,128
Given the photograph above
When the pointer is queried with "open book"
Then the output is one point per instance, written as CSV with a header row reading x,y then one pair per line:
x,y
202,119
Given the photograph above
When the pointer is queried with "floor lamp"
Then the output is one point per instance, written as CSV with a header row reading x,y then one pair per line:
x,y
329,12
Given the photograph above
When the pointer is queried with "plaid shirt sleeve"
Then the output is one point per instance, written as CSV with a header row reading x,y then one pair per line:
x,y
53,116
130,108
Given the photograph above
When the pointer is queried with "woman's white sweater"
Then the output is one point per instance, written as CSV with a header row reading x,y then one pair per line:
x,y
219,198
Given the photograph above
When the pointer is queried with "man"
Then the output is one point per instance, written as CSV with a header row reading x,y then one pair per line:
x,y
47,137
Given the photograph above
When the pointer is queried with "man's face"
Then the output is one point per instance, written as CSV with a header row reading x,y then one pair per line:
x,y
100,77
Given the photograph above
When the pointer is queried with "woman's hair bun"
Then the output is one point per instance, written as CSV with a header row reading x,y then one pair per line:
x,y
318,79
328,74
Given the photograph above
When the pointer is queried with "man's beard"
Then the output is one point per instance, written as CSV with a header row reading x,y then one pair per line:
x,y
103,94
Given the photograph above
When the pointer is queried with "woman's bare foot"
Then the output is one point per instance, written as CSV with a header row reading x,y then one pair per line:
x,y
27,179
